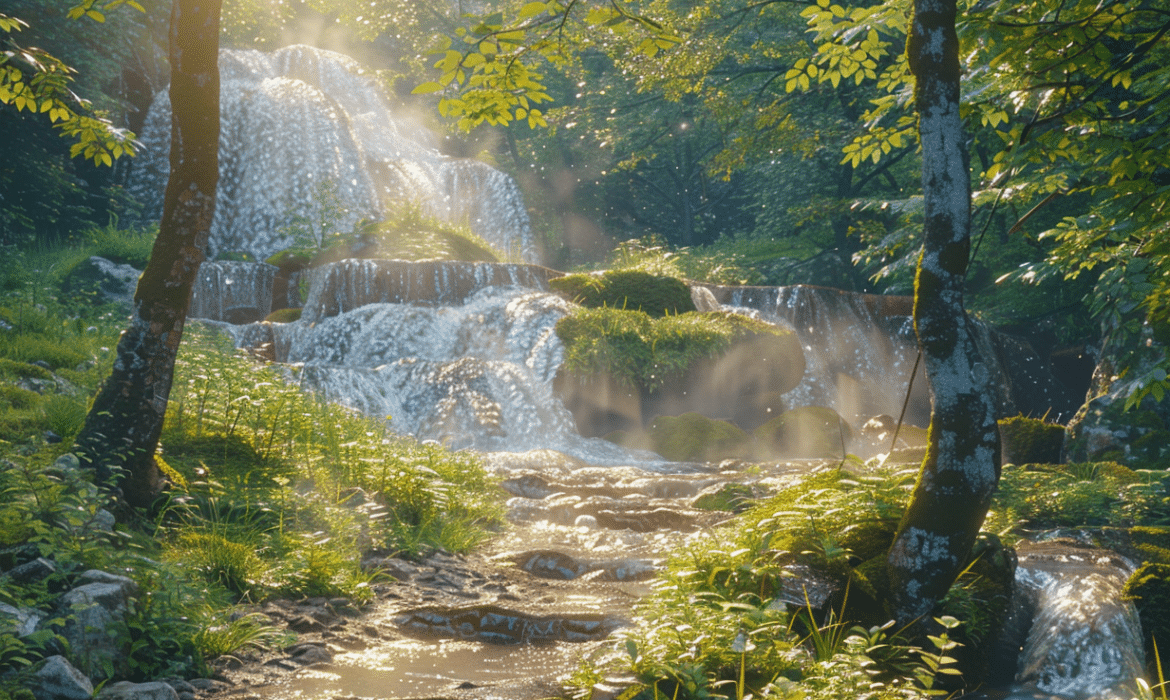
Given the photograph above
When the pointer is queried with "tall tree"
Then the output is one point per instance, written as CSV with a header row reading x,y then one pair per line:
x,y
122,429
961,467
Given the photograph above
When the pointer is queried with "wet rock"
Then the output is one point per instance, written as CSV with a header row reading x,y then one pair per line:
x,y
305,623
495,625
809,432
308,654
125,690
59,680
646,520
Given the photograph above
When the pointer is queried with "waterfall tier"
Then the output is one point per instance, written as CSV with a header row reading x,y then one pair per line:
x,y
350,284
306,133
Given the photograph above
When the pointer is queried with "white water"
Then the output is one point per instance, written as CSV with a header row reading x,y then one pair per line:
x,y
1085,641
299,117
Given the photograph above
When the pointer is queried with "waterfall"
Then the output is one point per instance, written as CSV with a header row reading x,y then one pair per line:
x,y
236,292
305,132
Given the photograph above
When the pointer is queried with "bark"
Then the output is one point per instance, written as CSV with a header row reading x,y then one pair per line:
x,y
122,429
961,467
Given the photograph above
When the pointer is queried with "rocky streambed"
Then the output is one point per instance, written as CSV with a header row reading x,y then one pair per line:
x,y
513,620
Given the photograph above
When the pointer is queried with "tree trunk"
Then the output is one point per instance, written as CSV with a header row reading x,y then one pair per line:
x,y
961,467
122,429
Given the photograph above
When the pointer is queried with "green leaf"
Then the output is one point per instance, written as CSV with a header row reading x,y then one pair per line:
x,y
532,9
426,88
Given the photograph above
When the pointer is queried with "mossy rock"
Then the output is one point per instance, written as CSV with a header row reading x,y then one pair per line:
x,y
630,290
1149,589
1026,440
14,397
808,432
695,438
868,539
284,315
732,498
1151,543
290,260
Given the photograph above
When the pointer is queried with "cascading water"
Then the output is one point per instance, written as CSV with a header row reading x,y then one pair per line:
x,y
300,126
1084,640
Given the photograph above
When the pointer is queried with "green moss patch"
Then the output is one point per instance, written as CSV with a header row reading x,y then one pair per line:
x,y
1149,589
1029,440
629,290
695,438
639,350
284,315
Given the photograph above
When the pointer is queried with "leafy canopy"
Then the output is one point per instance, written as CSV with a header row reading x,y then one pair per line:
x,y
34,80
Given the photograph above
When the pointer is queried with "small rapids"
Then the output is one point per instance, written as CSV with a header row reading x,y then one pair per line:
x,y
1083,640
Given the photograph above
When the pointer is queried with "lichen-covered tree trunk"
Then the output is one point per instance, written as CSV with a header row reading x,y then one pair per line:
x,y
122,429
961,467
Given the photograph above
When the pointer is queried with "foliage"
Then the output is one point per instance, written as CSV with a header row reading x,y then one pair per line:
x,y
695,438
33,79
264,440
629,290
723,623
1077,495
642,351
717,264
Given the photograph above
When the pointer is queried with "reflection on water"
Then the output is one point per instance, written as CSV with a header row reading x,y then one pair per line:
x,y
411,669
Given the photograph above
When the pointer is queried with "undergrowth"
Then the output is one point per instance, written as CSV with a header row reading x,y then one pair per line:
x,y
274,492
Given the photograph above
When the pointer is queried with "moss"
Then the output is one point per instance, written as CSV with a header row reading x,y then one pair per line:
x,y
729,497
31,348
291,260
1149,589
806,432
284,316
18,398
1028,440
695,438
640,351
631,290
869,539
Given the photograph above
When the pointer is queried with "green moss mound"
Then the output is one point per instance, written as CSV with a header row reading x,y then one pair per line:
x,y
732,497
810,432
1030,440
631,290
284,315
1149,589
292,259
641,351
695,438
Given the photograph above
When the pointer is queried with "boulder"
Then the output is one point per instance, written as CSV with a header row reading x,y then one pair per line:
x,y
692,437
125,690
95,607
808,432
59,680
103,281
